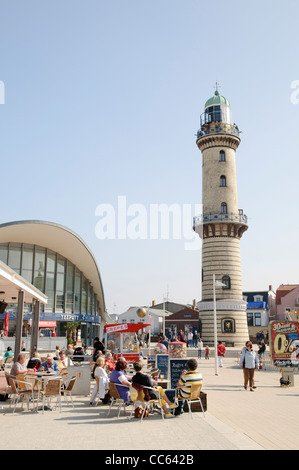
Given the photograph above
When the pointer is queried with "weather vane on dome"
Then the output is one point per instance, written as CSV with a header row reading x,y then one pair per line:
x,y
217,85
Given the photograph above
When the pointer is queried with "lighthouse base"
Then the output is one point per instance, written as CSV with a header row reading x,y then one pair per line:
x,y
231,319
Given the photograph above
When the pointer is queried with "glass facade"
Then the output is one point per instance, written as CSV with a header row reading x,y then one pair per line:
x,y
67,289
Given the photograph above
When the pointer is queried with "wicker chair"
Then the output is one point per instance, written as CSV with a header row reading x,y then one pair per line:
x,y
148,406
19,390
195,397
116,398
69,385
52,389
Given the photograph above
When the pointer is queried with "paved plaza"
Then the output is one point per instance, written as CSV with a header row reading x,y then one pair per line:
x,y
266,419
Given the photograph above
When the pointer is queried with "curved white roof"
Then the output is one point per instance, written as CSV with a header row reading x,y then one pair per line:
x,y
61,240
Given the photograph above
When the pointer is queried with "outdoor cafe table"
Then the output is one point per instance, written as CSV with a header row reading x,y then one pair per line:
x,y
41,379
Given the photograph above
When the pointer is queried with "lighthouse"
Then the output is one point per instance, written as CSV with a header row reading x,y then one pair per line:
x,y
221,226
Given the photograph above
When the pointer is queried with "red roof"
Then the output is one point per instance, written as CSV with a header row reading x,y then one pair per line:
x,y
284,290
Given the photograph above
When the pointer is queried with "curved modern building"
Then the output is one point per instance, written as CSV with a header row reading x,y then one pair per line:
x,y
58,262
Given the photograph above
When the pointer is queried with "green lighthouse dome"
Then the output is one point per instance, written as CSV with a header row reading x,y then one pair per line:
x,y
217,99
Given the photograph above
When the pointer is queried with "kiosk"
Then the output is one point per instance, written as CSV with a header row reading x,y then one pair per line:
x,y
122,340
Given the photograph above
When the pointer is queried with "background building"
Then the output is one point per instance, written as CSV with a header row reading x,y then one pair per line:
x,y
58,262
261,309
287,301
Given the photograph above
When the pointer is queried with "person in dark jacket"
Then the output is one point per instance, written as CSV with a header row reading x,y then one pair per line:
x,y
144,379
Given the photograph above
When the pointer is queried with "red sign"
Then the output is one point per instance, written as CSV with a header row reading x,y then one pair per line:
x,y
47,324
115,328
120,327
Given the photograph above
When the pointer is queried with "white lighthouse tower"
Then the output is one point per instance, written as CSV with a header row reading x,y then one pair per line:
x,y
221,225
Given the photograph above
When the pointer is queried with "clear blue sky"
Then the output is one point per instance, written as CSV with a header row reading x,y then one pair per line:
x,y
103,98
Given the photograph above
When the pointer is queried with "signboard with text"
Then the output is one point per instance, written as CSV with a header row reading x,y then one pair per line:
x,y
284,343
176,367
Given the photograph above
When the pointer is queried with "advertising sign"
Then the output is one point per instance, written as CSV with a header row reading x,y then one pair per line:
x,y
284,343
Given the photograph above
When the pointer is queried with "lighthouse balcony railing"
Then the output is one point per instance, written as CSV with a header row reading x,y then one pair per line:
x,y
218,217
218,128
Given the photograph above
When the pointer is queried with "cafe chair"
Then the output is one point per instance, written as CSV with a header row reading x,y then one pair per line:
x,y
147,405
5,361
64,373
195,398
8,388
35,385
52,389
19,390
116,398
67,389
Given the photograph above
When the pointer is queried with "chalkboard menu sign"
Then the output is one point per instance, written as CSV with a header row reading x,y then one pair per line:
x,y
176,368
162,364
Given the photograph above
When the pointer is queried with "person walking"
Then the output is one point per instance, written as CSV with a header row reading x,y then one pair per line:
x,y
249,362
220,353
200,348
190,339
261,352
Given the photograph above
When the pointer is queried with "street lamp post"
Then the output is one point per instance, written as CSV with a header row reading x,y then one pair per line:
x,y
215,283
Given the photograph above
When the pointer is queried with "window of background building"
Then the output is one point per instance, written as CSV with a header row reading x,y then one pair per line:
x,y
14,257
257,319
60,279
39,268
50,280
69,287
84,295
27,263
77,291
250,319
4,253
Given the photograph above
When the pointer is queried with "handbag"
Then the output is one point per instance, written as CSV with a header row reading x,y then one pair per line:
x,y
138,412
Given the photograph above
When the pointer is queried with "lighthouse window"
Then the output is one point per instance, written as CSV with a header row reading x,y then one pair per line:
x,y
226,282
223,208
222,180
222,156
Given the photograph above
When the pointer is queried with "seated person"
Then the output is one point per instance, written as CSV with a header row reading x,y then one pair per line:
x,y
19,368
188,378
8,353
35,361
64,361
118,377
78,355
109,361
147,381
49,365
100,373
